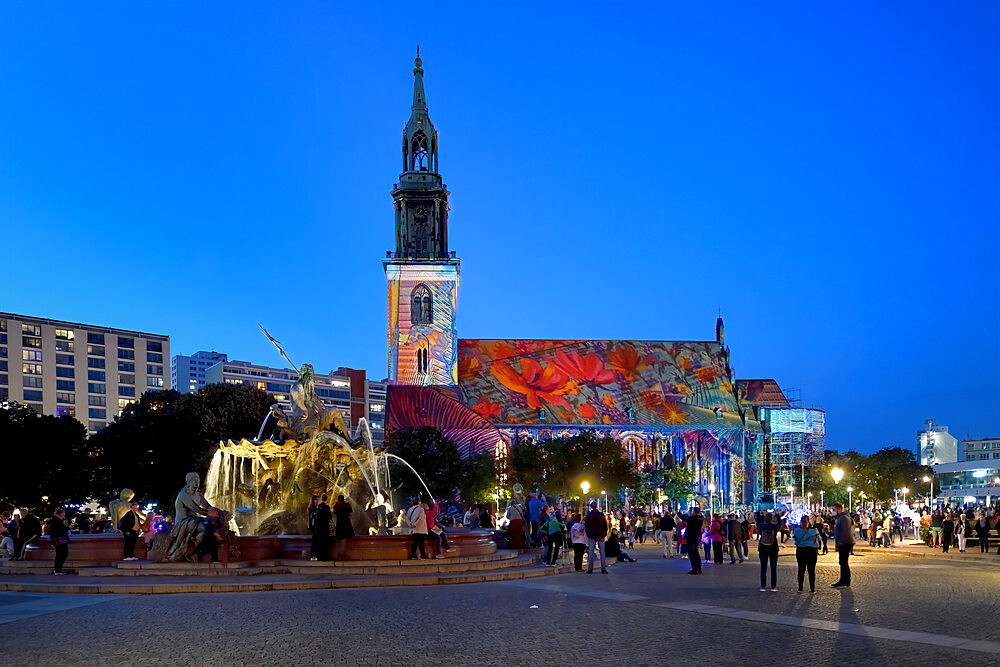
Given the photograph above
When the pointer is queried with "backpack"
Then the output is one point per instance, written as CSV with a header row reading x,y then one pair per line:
x,y
767,535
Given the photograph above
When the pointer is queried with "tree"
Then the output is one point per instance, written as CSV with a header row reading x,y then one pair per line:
x,y
676,483
478,478
561,464
432,455
877,475
45,458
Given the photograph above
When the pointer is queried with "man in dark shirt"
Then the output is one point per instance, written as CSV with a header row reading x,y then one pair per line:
x,y
667,527
693,537
596,525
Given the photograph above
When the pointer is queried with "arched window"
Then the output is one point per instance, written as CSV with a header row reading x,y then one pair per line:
x,y
422,364
421,306
419,152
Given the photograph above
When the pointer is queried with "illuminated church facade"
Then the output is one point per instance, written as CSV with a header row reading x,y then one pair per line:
x,y
667,402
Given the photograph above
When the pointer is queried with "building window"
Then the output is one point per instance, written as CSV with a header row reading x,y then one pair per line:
x,y
154,382
3,351
126,391
64,346
31,369
65,334
421,306
95,338
94,427
3,325
32,381
154,357
31,329
97,413
95,363
126,378
3,365
3,378
31,355
65,372
96,388
65,397
65,411
125,402
32,395
3,339
64,359
97,376
96,350
99,401
154,370
154,346
126,366
126,354
65,385
125,341
28,341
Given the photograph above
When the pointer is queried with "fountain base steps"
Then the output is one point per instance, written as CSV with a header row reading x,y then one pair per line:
x,y
234,580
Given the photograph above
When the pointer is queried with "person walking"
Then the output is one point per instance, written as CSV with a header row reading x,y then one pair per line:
x,y
130,525
767,551
807,543
734,532
717,539
596,526
947,533
936,528
745,536
667,526
640,529
983,533
578,535
555,538
59,534
692,535
962,530
416,518
320,549
843,540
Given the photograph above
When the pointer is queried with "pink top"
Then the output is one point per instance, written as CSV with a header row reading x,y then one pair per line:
x,y
432,513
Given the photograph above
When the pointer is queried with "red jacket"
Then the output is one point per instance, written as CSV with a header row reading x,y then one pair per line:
x,y
716,531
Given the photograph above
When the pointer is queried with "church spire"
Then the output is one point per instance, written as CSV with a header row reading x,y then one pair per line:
x,y
419,136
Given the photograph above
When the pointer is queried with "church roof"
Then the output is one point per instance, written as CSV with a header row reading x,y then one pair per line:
x,y
599,382
760,393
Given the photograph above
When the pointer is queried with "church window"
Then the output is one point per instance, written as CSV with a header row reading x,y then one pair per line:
x,y
418,152
421,306
422,360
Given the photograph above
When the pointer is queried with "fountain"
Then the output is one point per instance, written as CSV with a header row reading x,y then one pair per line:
x,y
266,483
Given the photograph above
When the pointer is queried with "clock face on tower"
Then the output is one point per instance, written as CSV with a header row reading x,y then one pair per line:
x,y
420,213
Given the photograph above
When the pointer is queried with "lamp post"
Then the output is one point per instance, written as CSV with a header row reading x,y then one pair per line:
x,y
791,491
930,496
584,487
850,499
605,494
809,499
822,498
711,498
905,491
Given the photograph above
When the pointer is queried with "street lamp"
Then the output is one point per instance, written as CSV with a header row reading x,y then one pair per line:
x,y
837,474
850,498
822,498
809,498
905,491
711,498
930,496
605,494
584,486
791,491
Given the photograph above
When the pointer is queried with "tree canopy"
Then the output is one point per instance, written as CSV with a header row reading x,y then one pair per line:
x,y
559,465
877,475
432,455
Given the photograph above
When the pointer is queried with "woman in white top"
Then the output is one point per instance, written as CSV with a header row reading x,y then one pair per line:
x,y
578,535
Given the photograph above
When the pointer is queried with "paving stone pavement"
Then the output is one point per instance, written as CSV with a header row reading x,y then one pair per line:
x,y
647,613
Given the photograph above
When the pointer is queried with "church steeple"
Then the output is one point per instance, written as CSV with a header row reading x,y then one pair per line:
x,y
421,197
422,273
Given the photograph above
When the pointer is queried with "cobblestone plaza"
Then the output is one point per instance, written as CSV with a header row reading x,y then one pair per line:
x,y
900,610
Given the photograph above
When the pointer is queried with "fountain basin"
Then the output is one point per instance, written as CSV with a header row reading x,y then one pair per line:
x,y
101,550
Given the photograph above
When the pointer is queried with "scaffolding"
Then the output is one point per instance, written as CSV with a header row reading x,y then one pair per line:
x,y
796,440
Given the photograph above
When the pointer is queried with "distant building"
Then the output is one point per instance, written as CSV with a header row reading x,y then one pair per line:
x,y
955,483
795,440
346,389
84,371
935,445
982,449
187,374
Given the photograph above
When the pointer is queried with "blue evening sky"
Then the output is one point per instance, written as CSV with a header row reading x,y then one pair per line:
x,y
827,175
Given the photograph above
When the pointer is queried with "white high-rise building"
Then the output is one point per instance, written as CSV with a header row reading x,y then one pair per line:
x,y
935,445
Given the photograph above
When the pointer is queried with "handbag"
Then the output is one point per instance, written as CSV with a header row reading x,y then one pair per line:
x,y
60,540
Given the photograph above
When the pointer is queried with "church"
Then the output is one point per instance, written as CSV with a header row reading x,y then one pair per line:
x,y
667,402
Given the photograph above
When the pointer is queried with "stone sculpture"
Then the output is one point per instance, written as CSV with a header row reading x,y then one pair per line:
x,y
118,508
198,527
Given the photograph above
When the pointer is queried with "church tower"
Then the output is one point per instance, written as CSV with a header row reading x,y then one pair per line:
x,y
422,272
